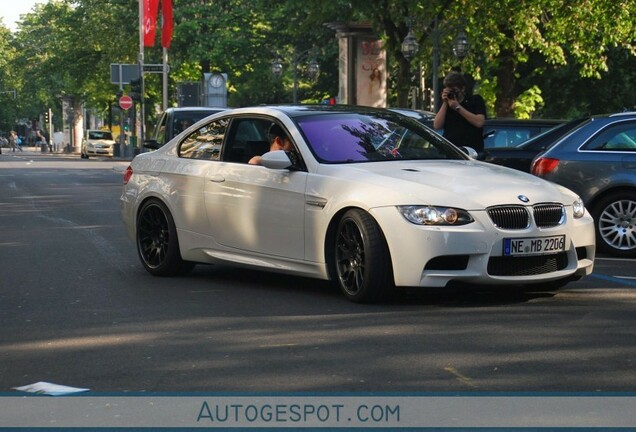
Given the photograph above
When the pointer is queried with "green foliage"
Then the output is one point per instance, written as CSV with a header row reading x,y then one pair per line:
x,y
551,34
528,102
9,80
552,58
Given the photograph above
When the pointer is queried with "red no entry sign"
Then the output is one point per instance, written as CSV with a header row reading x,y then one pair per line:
x,y
125,102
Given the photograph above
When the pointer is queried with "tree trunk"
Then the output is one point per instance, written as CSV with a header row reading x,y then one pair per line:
x,y
504,106
77,125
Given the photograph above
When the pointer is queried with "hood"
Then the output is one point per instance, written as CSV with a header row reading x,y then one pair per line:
x,y
101,141
470,185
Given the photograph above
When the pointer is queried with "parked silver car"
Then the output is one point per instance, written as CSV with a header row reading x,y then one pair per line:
x,y
597,160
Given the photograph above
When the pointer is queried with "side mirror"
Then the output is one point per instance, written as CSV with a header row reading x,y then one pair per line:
x,y
470,151
151,144
277,159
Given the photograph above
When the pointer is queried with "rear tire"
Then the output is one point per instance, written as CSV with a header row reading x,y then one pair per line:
x,y
157,242
361,258
615,224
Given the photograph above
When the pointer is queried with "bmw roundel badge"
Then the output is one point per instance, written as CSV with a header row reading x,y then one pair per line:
x,y
523,198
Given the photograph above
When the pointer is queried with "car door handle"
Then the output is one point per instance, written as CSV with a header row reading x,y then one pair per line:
x,y
217,179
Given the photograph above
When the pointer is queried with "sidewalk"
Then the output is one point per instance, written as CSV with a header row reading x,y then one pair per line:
x,y
37,152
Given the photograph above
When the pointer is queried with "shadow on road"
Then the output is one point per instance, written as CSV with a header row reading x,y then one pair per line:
x,y
313,290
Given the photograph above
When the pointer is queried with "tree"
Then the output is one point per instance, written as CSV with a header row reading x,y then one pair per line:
x,y
525,56
505,36
65,48
579,33
242,38
9,80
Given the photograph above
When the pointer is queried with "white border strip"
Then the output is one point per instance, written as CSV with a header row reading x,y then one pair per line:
x,y
318,411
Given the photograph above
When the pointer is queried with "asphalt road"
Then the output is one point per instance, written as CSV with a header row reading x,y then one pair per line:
x,y
77,308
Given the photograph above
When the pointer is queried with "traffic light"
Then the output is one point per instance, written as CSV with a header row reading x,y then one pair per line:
x,y
46,117
135,89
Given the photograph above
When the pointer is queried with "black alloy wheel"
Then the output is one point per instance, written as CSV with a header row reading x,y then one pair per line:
x,y
362,260
157,242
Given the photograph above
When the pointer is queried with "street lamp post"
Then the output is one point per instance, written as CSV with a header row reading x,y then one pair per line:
x,y
409,44
460,49
313,68
461,45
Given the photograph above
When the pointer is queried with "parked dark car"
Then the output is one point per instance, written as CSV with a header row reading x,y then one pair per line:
x,y
173,121
498,133
510,132
597,160
424,117
521,156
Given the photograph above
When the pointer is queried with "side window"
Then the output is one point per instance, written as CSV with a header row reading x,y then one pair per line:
x,y
619,137
247,138
206,142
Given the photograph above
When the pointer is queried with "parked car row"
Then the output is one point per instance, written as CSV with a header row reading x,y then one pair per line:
x,y
507,133
498,132
521,156
597,160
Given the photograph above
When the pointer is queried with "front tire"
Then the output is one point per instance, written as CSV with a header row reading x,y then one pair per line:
x,y
615,223
362,261
157,242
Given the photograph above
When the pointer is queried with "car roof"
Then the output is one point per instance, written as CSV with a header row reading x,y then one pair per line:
x,y
200,109
620,114
414,113
294,111
551,136
514,121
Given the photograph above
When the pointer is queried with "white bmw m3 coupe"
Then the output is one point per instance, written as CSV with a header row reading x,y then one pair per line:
x,y
367,198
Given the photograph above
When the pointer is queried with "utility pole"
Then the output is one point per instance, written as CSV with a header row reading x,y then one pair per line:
x,y
142,110
51,142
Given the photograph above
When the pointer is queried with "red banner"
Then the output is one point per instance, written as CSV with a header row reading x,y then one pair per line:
x,y
151,9
168,25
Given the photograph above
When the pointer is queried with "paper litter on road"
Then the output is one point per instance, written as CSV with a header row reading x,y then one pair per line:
x,y
50,389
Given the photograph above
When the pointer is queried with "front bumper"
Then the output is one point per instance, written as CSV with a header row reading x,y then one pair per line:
x,y
99,151
433,256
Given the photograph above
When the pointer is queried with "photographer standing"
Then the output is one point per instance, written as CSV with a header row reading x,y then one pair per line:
x,y
461,115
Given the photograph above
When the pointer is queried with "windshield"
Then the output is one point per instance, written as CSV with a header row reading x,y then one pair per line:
x,y
100,135
346,138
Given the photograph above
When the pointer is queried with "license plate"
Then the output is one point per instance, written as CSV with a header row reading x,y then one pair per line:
x,y
533,245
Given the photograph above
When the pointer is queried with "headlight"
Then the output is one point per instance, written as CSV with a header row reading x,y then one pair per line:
x,y
579,208
433,215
